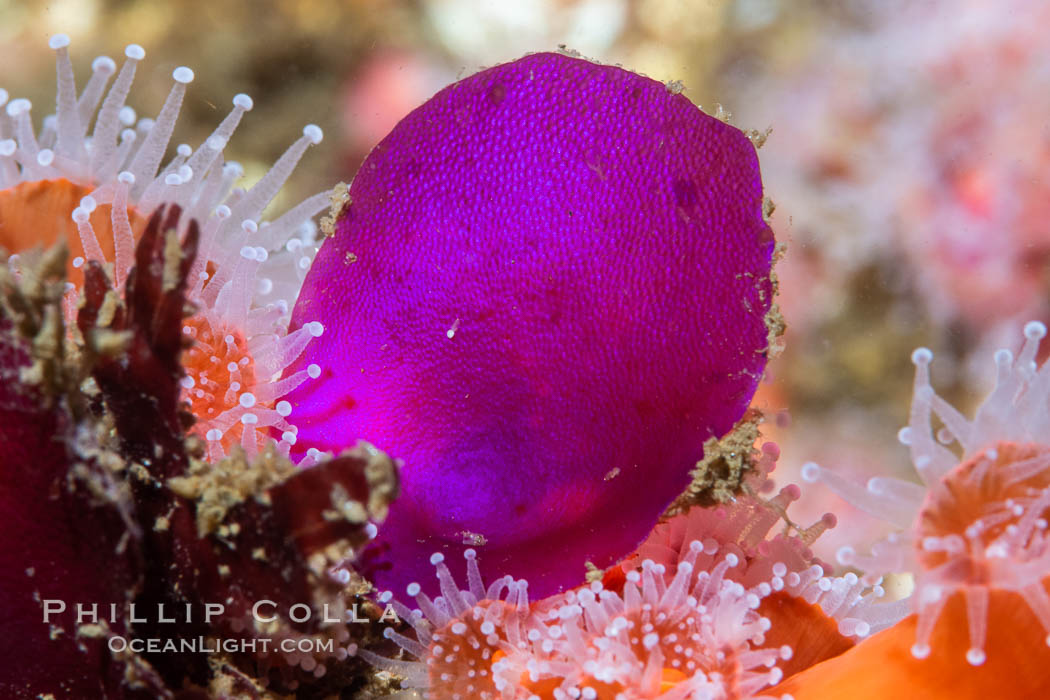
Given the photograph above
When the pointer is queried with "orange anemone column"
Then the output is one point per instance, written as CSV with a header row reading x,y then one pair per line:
x,y
39,214
882,667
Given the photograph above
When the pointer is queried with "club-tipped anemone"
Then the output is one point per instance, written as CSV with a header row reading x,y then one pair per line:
x,y
817,614
697,637
976,525
94,185
553,280
461,635
709,607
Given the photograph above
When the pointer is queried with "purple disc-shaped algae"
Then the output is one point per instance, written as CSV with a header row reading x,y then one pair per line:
x,y
548,290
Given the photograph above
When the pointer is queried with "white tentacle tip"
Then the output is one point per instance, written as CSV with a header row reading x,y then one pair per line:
x,y
134,52
103,64
243,101
922,356
904,435
58,41
19,106
1034,330
313,133
183,75
920,651
810,472
976,657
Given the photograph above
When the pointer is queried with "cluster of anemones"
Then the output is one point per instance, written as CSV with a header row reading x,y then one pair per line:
x,y
702,640
889,153
94,188
710,606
